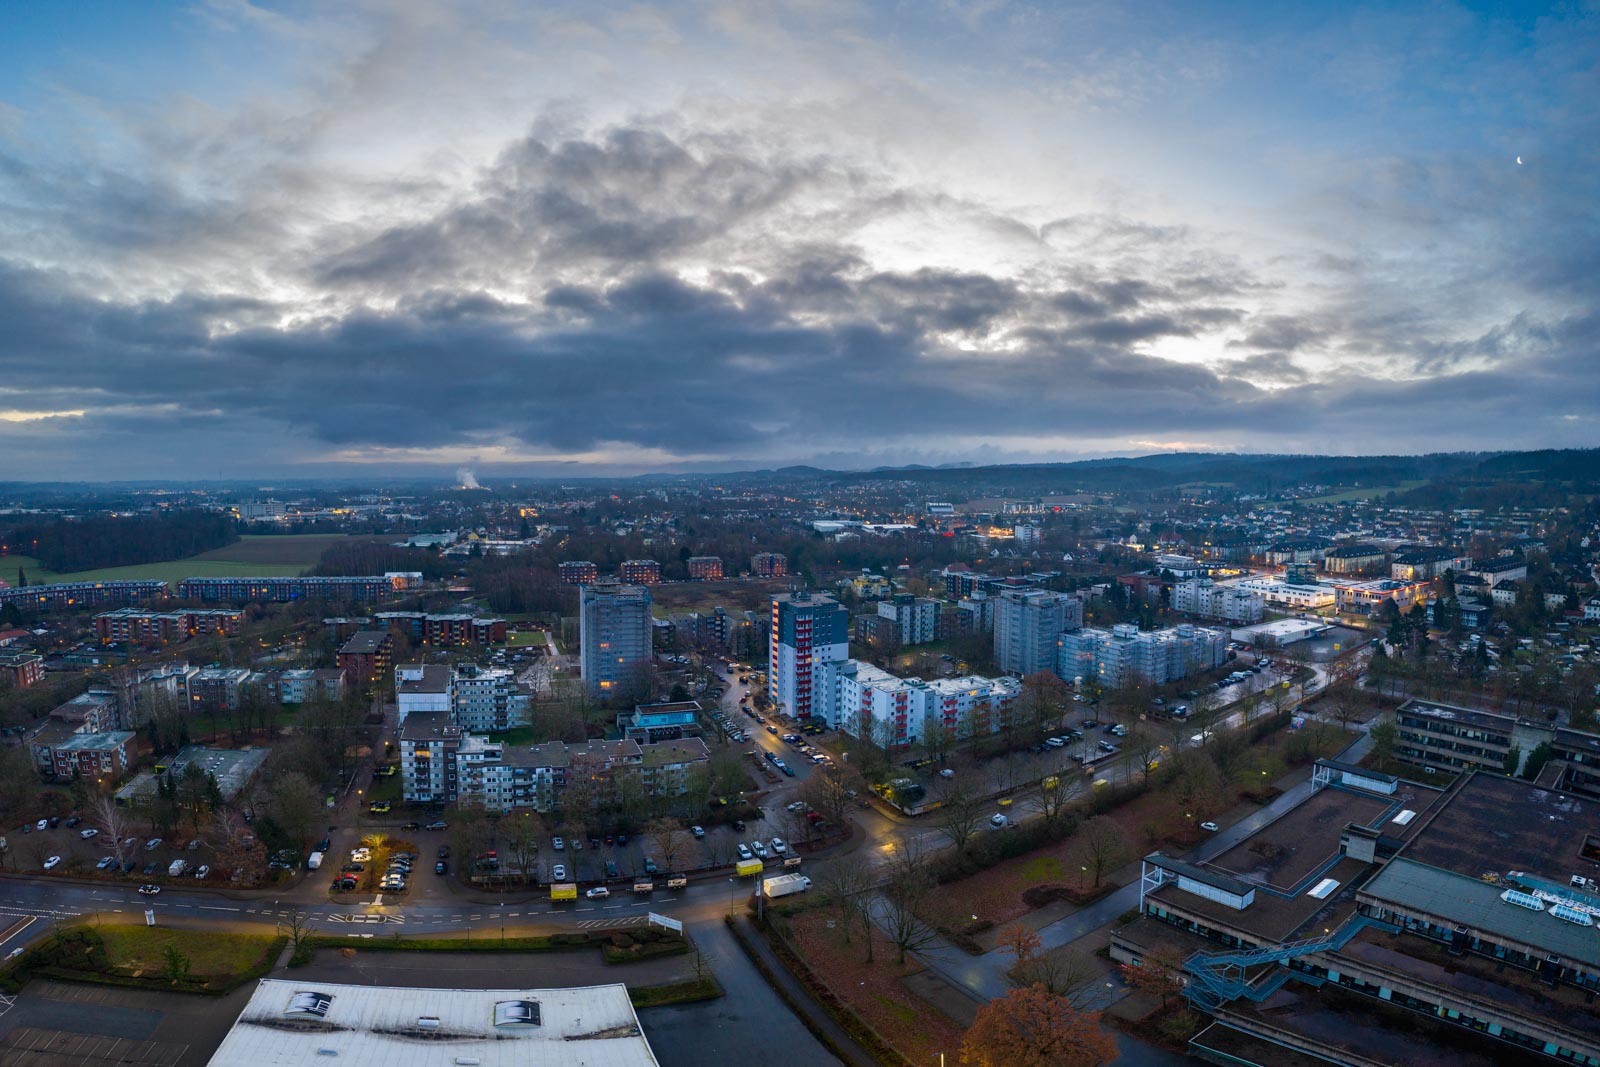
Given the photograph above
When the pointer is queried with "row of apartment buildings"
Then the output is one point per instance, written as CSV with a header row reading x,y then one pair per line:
x,y
161,627
442,763
648,571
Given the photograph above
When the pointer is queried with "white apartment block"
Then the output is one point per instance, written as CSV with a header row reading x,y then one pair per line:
x,y
873,705
615,633
485,699
1203,597
808,630
1124,652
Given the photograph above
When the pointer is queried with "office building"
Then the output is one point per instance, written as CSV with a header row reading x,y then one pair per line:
x,y
614,633
1027,623
808,629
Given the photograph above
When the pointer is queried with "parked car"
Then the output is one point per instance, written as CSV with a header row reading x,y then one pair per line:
x,y
947,773
698,831
438,824
51,862
557,843
779,846
1210,827
353,868
411,826
74,821
998,819
559,872
599,892
444,852
86,834
744,851
202,872
106,861
759,848
42,824
441,867
154,842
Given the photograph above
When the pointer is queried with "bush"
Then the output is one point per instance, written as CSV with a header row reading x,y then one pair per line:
x,y
675,993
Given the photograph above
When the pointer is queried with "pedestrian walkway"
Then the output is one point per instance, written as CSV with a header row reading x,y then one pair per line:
x,y
799,998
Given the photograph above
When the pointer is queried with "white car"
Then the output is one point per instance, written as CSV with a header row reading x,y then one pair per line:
x,y
51,862
42,824
202,871
997,819
798,805
947,773
149,890
599,892
558,873
759,849
1210,826
698,831
154,842
744,851
86,834
778,846
360,855
1056,742
558,844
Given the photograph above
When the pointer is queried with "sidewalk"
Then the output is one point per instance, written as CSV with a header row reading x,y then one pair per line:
x,y
816,1018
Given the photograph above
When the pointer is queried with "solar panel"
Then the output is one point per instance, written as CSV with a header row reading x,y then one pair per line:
x,y
1522,900
1572,915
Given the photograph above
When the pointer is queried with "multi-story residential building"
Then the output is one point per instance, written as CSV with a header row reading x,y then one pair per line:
x,y
915,619
1027,536
705,568
345,626
578,572
1203,597
962,581
1366,598
489,699
159,627
331,681
21,669
428,744
640,571
769,565
1591,610
1302,550
366,657
1498,570
1357,558
298,685
883,709
83,594
867,586
1124,652
217,688
445,631
1027,623
705,629
63,751
614,633
1421,564
91,713
422,689
669,768
808,629
978,610
284,590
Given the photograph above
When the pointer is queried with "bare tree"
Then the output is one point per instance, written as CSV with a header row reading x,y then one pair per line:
x,y
844,883
1102,845
908,889
113,822
522,843
1144,749
1054,792
960,816
670,840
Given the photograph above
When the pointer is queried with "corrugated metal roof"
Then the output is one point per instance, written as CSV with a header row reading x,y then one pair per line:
x,y
389,1026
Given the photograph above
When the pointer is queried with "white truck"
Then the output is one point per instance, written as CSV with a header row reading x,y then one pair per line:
x,y
313,861
784,884
177,868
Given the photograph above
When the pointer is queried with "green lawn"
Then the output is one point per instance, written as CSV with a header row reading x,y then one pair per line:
x,y
210,952
1363,494
522,735
524,638
171,572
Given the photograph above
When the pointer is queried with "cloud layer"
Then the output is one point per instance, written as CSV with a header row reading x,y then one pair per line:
x,y
423,235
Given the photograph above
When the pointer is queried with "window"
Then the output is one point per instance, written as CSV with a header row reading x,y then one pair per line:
x,y
517,1013
309,1003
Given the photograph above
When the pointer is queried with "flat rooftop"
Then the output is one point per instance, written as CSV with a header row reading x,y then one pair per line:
x,y
390,1026
1492,825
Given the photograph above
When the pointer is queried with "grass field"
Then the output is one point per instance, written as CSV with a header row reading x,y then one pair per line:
x,y
1370,493
251,557
735,595
210,952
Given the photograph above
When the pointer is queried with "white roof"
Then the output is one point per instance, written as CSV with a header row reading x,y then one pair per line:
x,y
391,1026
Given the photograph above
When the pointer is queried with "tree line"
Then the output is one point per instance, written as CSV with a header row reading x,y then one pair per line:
x,y
89,544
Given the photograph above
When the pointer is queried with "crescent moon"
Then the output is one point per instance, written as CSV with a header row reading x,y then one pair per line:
x,y
1519,161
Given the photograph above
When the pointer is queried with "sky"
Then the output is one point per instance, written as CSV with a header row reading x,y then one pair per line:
x,y
275,238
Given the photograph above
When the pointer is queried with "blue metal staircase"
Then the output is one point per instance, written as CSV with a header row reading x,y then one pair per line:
x,y
1218,977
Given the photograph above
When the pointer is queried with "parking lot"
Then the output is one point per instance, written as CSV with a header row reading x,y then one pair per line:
x,y
75,846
